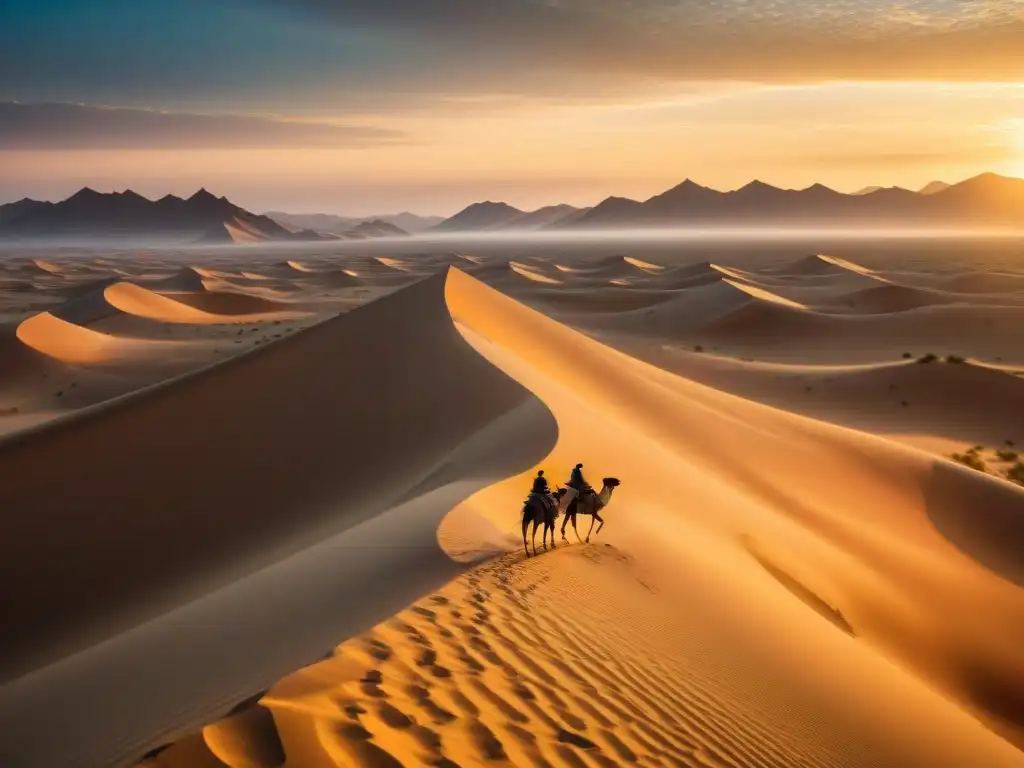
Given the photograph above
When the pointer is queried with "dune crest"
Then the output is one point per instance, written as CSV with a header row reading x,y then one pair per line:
x,y
70,343
135,300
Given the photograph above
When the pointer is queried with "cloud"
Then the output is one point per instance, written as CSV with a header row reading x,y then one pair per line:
x,y
374,56
540,44
55,126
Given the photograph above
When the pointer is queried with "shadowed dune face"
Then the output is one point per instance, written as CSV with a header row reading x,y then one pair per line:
x,y
331,432
770,595
134,300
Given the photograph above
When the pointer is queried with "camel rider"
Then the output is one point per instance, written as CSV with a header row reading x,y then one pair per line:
x,y
577,481
542,491
540,484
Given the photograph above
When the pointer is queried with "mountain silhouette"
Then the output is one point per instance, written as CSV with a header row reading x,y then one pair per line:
x,y
340,225
479,217
932,187
541,218
377,228
985,200
93,215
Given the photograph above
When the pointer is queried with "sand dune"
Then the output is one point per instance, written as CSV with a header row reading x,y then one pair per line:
x,y
227,306
602,299
817,265
763,593
984,282
691,309
17,286
646,266
616,267
952,329
70,343
342,426
334,278
629,393
938,406
187,279
216,307
530,274
883,299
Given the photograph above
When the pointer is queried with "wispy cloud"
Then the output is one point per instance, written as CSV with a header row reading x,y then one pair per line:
x,y
55,126
303,56
767,41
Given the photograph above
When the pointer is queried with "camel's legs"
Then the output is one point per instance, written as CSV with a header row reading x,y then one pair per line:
x,y
601,521
593,517
533,537
526,524
575,529
569,511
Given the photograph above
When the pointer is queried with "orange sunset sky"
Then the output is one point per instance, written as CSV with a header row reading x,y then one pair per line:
x,y
359,107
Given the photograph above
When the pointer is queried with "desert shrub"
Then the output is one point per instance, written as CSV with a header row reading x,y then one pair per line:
x,y
1016,473
955,359
969,459
1007,455
698,348
929,358
907,355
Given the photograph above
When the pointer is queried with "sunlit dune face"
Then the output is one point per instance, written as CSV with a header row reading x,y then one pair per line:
x,y
530,274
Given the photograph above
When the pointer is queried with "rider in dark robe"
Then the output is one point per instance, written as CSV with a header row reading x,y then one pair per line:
x,y
541,489
577,481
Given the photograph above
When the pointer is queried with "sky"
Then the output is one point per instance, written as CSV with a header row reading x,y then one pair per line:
x,y
375,106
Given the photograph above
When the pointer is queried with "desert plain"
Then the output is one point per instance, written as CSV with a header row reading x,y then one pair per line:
x,y
261,506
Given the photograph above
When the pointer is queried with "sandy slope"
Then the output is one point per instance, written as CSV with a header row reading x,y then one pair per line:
x,y
769,596
784,655
325,439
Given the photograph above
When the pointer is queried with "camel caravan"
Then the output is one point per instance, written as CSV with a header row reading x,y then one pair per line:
x,y
543,506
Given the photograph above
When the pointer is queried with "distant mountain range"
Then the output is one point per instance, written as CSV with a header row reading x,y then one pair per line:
x,y
928,189
985,200
342,225
201,218
488,216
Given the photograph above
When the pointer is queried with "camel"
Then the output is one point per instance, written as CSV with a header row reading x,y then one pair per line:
x,y
537,512
590,504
